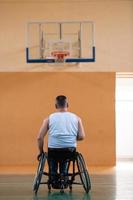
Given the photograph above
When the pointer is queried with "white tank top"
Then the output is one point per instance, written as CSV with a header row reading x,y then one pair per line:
x,y
63,129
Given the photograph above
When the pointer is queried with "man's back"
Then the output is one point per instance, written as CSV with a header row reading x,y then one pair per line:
x,y
63,130
64,127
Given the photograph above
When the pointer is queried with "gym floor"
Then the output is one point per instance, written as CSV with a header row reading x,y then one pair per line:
x,y
107,184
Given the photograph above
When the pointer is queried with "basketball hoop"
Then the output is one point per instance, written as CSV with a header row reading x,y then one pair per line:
x,y
60,56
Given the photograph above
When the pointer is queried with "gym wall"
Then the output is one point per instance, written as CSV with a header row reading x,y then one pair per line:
x,y
27,98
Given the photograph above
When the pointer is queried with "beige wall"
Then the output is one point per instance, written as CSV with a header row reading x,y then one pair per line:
x,y
114,31
27,98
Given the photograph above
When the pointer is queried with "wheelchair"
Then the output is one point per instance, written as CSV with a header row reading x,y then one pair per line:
x,y
76,168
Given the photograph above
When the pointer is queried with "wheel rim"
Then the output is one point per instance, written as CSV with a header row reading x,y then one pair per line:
x,y
39,173
86,171
84,176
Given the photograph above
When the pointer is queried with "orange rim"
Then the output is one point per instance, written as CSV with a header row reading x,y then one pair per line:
x,y
60,54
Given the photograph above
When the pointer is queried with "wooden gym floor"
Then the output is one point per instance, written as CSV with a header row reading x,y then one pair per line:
x,y
107,184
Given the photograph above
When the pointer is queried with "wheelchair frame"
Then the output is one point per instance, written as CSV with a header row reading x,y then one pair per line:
x,y
78,160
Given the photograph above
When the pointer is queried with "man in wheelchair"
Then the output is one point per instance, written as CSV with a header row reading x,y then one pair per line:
x,y
64,129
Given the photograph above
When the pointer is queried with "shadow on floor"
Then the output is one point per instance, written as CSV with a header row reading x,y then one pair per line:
x,y
64,196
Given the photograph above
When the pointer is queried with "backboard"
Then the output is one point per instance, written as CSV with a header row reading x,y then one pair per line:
x,y
47,42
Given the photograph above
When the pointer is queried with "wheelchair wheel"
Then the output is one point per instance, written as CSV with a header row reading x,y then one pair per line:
x,y
89,181
83,173
39,173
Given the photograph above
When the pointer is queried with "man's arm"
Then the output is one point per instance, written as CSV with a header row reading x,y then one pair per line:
x,y
42,133
81,133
